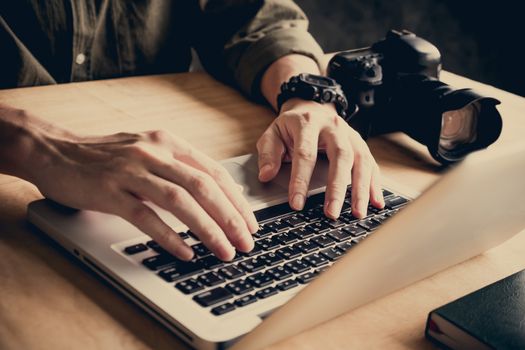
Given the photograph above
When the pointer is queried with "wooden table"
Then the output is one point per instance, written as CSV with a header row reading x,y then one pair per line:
x,y
48,300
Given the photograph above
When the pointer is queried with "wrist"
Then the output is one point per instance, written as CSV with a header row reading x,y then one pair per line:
x,y
25,143
316,88
300,104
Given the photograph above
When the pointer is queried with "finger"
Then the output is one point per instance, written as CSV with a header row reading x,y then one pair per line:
x,y
146,220
271,151
226,183
304,156
376,189
180,203
215,202
361,177
341,158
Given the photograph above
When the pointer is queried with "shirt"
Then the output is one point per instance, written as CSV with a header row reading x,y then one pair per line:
x,y
58,41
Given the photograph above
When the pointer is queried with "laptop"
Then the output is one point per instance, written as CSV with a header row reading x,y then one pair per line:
x,y
301,259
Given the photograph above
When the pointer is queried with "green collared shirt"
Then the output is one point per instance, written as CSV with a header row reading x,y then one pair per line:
x,y
58,41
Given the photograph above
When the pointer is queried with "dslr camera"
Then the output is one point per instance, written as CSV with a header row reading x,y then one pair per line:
x,y
394,85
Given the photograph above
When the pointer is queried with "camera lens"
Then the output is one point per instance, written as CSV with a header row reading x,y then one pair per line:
x,y
459,126
450,122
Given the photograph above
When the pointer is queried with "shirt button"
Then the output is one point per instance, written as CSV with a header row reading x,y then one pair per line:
x,y
80,59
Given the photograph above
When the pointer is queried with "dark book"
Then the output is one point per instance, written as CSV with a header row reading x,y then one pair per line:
x,y
492,317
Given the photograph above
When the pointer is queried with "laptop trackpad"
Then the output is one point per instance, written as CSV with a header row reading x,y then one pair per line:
x,y
253,189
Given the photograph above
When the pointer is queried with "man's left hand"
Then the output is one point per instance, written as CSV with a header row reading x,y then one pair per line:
x,y
302,129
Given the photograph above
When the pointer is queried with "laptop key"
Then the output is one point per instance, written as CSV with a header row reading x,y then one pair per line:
x,y
354,231
156,247
268,243
373,210
279,273
189,286
395,202
339,235
213,296
266,292
306,246
381,218
307,215
345,246
288,284
211,279
335,223
180,269
307,277
332,253
260,279
222,309
271,259
323,241
239,287
391,213
294,220
302,232
210,262
231,272
348,217
253,264
192,235
238,256
256,249
318,227
263,232
347,204
277,225
315,260
297,266
135,249
200,250
157,262
286,238
369,224
288,252
245,300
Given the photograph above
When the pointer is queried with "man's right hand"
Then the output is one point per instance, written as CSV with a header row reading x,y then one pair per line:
x,y
116,174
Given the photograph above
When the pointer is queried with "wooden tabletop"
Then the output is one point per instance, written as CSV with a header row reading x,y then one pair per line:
x,y
48,300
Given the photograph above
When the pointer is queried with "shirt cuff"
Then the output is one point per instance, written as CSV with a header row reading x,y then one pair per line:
x,y
289,38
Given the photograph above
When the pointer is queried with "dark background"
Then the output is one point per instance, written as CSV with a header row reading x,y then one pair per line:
x,y
478,39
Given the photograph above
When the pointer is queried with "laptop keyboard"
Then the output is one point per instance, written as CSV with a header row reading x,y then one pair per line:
x,y
291,249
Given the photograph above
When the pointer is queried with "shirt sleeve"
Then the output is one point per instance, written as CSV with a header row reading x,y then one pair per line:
x,y
238,40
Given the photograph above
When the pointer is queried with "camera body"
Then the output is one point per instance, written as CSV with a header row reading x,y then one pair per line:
x,y
395,85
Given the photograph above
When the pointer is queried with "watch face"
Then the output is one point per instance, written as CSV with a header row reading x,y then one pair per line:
x,y
318,80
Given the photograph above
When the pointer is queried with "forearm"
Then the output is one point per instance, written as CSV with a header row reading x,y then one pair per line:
x,y
281,71
22,138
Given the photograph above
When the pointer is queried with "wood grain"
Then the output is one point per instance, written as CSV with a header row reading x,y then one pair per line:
x,y
47,300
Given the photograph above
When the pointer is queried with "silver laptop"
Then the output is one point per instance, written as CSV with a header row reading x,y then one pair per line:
x,y
301,260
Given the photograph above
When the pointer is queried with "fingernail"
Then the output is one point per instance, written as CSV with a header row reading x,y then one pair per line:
x,y
226,252
253,225
246,244
298,201
241,188
185,253
361,207
334,208
265,169
380,200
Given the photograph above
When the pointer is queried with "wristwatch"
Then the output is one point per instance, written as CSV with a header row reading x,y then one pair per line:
x,y
316,88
